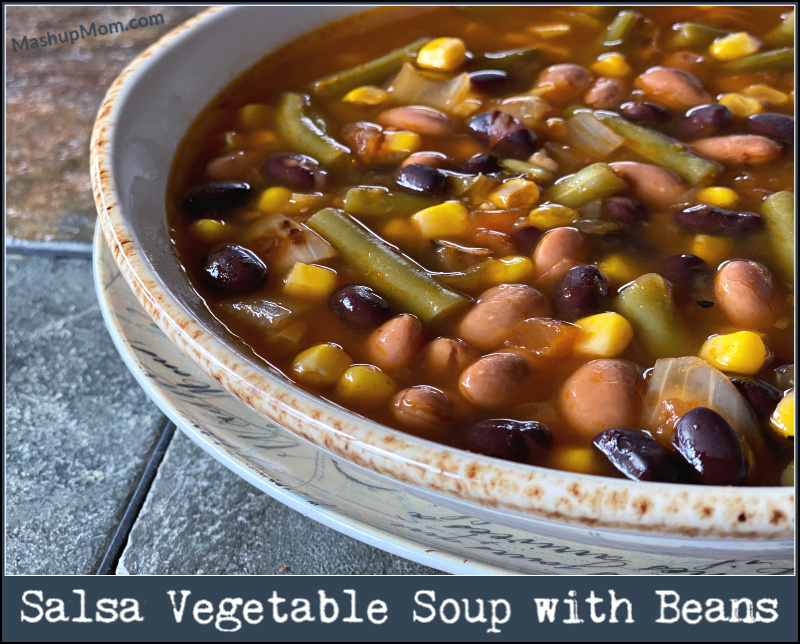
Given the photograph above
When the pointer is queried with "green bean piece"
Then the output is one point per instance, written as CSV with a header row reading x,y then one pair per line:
x,y
661,150
778,213
595,181
512,60
620,28
406,285
539,174
783,34
378,201
371,73
647,304
782,59
692,35
305,130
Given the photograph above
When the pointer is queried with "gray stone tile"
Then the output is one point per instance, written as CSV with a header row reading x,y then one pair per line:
x,y
200,518
79,428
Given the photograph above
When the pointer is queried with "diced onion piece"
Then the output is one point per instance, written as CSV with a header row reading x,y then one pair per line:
x,y
584,131
411,87
695,383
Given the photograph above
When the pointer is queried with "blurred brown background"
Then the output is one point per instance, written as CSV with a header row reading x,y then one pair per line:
x,y
52,97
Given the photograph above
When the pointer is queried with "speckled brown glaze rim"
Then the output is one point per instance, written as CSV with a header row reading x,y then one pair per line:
x,y
537,495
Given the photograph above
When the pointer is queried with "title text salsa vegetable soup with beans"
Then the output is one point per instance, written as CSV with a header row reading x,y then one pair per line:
x,y
560,236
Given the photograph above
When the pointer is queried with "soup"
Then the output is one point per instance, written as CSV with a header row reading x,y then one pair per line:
x,y
560,236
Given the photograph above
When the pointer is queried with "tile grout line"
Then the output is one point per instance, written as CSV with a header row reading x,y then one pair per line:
x,y
119,540
28,247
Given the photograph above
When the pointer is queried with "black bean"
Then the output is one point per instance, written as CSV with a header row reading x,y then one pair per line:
x,y
233,268
582,290
643,112
295,171
525,239
784,376
481,164
512,440
216,198
776,126
492,81
711,446
712,220
625,210
504,133
423,179
688,274
761,396
638,456
359,307
704,120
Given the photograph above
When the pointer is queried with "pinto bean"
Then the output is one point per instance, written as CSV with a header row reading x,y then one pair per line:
x,y
495,380
433,159
498,310
564,83
557,251
743,290
232,166
739,149
393,345
600,395
417,118
444,356
651,184
606,93
673,88
687,61
423,407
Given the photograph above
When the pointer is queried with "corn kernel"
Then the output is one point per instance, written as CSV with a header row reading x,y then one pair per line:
x,y
444,54
556,127
573,459
741,352
552,215
261,139
444,220
255,115
766,94
303,202
605,335
782,419
734,46
309,281
366,95
516,193
321,365
550,31
718,196
711,249
363,385
741,105
612,65
274,199
209,229
400,142
466,108
515,269
619,269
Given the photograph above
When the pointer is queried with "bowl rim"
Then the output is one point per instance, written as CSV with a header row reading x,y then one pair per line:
x,y
537,493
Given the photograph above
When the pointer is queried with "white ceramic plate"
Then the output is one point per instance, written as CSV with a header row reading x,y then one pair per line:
x,y
339,495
